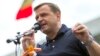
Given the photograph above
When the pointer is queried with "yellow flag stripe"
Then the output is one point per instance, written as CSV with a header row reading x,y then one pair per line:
x,y
26,4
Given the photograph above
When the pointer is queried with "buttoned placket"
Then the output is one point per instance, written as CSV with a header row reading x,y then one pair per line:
x,y
53,41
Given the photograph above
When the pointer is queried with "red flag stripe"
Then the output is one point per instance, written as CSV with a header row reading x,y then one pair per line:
x,y
24,12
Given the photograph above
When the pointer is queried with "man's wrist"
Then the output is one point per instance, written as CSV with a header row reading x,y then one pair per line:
x,y
88,42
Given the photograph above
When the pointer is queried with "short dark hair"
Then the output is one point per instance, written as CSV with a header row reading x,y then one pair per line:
x,y
54,8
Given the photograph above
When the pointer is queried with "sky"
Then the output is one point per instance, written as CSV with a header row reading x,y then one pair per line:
x,y
73,11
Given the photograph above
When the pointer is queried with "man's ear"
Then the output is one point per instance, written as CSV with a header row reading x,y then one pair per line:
x,y
58,14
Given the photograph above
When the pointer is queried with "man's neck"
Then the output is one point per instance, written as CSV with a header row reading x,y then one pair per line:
x,y
54,32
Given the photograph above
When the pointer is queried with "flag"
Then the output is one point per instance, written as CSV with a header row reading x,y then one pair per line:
x,y
25,10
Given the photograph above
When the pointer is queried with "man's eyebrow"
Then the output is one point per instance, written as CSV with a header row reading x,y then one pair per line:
x,y
43,14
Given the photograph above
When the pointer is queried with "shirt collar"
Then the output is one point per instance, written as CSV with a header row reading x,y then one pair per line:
x,y
60,33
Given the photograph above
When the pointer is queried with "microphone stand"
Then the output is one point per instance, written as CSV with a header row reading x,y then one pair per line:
x,y
17,43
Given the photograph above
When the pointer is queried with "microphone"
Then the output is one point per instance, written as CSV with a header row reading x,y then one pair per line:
x,y
36,26
33,29
9,40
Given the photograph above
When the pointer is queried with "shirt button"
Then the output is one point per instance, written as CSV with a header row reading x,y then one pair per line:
x,y
53,40
53,46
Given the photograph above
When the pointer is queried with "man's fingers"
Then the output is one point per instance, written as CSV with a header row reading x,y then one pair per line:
x,y
26,38
25,53
27,41
80,31
37,49
29,34
75,26
79,28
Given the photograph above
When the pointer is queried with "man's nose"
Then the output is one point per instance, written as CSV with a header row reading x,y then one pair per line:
x,y
40,19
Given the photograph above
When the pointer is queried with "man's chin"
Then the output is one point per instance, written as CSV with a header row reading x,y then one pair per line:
x,y
43,30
